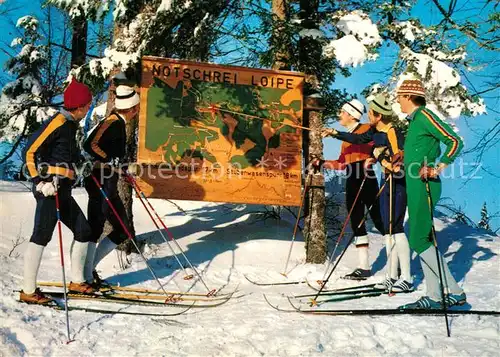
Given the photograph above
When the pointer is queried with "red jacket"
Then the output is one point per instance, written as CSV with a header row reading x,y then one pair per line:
x,y
350,153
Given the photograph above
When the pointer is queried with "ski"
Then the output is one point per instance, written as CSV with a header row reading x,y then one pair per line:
x,y
379,312
120,298
345,292
364,286
59,306
344,297
130,289
170,298
296,282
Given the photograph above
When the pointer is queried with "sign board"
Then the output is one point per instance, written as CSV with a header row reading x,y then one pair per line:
x,y
220,133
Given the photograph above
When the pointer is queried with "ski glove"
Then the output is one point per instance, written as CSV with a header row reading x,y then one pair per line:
x,y
46,188
428,173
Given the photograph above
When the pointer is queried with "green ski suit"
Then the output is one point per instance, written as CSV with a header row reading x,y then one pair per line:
x,y
422,147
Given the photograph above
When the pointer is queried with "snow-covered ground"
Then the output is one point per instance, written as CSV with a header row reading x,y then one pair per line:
x,y
226,242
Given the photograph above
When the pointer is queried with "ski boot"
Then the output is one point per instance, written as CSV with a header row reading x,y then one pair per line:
x,y
455,299
81,288
358,274
36,298
402,286
100,284
424,303
385,285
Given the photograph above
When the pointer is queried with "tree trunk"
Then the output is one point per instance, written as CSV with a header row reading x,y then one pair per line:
x,y
279,38
124,188
314,210
79,41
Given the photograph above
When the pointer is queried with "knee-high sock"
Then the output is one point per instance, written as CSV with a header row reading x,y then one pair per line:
x,y
89,262
104,247
403,252
78,255
32,259
392,257
362,248
430,268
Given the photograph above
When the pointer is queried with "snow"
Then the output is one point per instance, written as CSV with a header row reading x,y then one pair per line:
x,y
442,75
28,22
16,41
409,30
347,50
225,242
314,33
202,22
165,5
357,23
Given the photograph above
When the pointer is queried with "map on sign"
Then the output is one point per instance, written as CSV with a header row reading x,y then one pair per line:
x,y
220,134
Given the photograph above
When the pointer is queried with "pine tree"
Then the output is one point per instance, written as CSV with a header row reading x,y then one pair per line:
x,y
21,97
485,219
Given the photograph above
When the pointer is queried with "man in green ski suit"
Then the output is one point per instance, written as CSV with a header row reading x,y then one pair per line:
x,y
421,151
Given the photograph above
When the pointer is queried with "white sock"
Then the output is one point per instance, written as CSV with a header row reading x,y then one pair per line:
x,y
78,255
403,252
32,259
89,262
363,257
431,274
104,247
392,257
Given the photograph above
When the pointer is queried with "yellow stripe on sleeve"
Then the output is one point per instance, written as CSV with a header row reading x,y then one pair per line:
x,y
57,122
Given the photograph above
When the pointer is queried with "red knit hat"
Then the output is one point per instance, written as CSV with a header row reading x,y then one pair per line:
x,y
76,95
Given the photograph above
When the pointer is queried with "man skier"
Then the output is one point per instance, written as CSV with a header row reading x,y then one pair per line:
x,y
425,134
352,158
106,144
50,157
388,144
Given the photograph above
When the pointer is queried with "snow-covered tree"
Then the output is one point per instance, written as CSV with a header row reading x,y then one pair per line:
x,y
21,97
485,218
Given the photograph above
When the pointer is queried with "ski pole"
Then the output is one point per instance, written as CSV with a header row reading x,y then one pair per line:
x,y
303,198
141,193
187,276
330,260
61,253
313,300
434,240
127,232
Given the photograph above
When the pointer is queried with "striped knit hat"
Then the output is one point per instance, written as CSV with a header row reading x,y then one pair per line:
x,y
354,108
412,86
381,105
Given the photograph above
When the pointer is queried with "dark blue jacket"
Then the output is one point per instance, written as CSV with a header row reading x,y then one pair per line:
x,y
52,149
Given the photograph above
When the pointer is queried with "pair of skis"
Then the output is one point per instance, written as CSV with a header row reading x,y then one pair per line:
x,y
351,293
137,297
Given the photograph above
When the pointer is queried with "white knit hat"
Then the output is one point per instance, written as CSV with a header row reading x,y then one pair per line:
x,y
355,108
126,97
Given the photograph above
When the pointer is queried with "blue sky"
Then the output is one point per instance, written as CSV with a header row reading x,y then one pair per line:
x,y
470,196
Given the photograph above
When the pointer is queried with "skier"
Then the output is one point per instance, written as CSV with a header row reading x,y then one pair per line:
x,y
388,144
50,157
352,158
425,133
106,145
